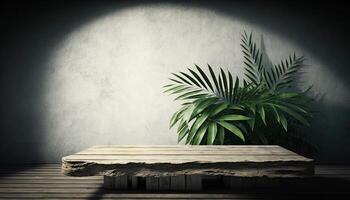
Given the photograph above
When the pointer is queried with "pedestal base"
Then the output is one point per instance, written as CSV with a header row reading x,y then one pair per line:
x,y
172,183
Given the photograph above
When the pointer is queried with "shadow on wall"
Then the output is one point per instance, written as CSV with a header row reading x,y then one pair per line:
x,y
327,133
32,31
29,33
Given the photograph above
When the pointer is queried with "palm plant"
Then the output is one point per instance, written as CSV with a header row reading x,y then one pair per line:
x,y
219,109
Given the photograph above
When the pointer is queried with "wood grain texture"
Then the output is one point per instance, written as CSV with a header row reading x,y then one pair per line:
x,y
177,160
194,182
329,182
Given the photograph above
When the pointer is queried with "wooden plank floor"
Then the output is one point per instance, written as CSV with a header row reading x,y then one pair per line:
x,y
47,182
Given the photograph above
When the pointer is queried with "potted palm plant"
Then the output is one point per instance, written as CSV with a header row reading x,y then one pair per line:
x,y
220,109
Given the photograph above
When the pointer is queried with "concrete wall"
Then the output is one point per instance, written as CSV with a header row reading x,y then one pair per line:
x,y
83,74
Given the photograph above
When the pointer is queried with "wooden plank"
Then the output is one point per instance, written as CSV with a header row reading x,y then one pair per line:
x,y
174,155
189,149
34,178
185,158
50,182
182,152
115,182
108,182
178,183
164,183
194,182
179,159
73,188
134,182
50,185
30,170
129,196
31,174
152,183
123,181
182,146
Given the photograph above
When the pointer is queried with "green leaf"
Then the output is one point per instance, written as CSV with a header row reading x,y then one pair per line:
x,y
235,90
261,112
292,106
224,81
251,107
236,107
233,129
219,108
182,124
198,78
181,78
187,94
242,127
276,114
221,89
232,117
173,119
284,122
274,74
183,132
230,88
188,112
190,78
221,133
175,88
197,96
252,79
212,131
203,105
176,81
196,125
251,123
179,90
214,78
294,114
287,95
176,116
205,78
200,134
168,85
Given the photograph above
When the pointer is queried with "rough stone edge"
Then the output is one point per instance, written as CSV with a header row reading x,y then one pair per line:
x,y
239,169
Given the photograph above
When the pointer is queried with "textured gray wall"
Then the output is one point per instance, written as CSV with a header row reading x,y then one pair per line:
x,y
97,80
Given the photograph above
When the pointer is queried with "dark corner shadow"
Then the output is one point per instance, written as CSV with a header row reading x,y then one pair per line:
x,y
296,139
312,187
9,170
322,32
317,185
255,188
325,131
30,32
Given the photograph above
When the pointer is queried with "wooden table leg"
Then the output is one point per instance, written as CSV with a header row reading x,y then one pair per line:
x,y
193,182
115,182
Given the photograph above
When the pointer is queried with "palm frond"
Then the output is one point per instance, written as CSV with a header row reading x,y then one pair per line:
x,y
283,74
216,106
252,59
205,111
278,77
